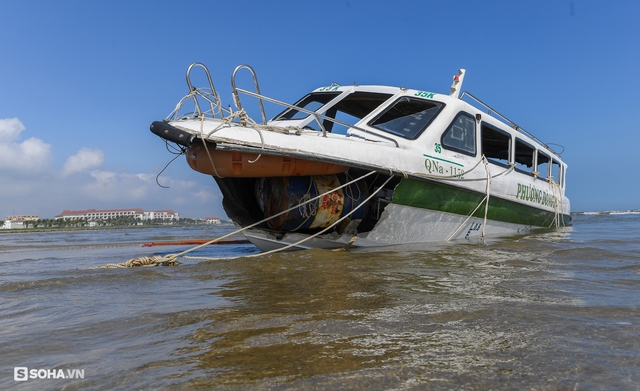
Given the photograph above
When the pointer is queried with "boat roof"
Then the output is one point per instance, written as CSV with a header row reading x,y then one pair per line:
x,y
471,104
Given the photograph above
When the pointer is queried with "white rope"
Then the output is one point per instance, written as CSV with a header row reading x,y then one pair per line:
x,y
488,191
304,239
206,148
169,258
275,215
484,200
558,204
245,119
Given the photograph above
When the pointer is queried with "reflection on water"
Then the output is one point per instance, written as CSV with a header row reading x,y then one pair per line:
x,y
324,313
553,310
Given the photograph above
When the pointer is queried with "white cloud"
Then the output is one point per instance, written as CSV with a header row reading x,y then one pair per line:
x,y
28,157
111,186
10,129
30,184
85,160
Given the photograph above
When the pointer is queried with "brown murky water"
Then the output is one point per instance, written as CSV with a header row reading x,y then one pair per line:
x,y
554,310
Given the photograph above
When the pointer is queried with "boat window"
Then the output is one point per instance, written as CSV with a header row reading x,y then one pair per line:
x,y
352,109
555,171
407,117
461,134
349,110
496,144
311,102
524,157
543,165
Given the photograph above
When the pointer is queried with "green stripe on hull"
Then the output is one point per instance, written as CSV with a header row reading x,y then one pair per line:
x,y
440,197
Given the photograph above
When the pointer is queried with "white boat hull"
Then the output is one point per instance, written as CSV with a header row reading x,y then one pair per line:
x,y
371,166
398,225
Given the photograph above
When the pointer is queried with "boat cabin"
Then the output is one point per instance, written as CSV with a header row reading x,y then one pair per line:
x,y
422,120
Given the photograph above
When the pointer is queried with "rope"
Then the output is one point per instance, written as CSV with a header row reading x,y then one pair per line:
x,y
558,204
488,191
307,209
245,119
204,144
348,246
171,259
305,239
157,260
485,200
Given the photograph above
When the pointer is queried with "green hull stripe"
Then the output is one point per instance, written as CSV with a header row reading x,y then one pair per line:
x,y
440,197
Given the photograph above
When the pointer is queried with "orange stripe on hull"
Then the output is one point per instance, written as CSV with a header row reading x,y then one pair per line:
x,y
233,164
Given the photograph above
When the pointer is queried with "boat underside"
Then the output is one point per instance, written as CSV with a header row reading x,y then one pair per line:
x,y
399,225
374,211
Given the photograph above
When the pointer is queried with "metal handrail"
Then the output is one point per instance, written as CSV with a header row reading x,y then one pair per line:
x,y
316,115
236,97
214,93
515,126
215,102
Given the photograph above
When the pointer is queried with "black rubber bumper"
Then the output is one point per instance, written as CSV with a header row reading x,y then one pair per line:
x,y
171,133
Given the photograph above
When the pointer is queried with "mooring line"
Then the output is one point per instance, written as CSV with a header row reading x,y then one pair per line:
x,y
172,259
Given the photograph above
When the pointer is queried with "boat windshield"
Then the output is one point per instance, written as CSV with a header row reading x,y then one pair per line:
x,y
347,112
311,102
407,117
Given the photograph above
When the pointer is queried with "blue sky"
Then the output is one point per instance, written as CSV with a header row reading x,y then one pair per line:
x,y
81,81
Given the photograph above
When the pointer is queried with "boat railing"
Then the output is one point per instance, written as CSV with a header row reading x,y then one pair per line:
x,y
235,90
212,97
209,95
318,117
506,120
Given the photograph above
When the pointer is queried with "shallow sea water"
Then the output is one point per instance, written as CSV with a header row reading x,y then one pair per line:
x,y
551,310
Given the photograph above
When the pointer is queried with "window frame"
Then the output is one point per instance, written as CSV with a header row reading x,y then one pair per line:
x,y
496,129
548,164
288,113
515,156
475,135
407,98
560,179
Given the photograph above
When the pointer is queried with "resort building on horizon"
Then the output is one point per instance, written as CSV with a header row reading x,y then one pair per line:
x,y
103,214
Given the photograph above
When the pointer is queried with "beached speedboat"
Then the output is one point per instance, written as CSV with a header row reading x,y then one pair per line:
x,y
369,166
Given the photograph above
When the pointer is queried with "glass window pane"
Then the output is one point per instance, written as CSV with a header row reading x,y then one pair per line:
x,y
311,102
408,117
461,134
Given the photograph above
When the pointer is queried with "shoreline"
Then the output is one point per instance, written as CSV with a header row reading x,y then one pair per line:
x,y
71,229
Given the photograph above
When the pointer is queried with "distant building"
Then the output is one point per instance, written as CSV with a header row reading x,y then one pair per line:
x,y
18,221
23,217
13,224
212,220
95,214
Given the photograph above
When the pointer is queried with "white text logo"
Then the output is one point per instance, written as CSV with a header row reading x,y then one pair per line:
x,y
24,374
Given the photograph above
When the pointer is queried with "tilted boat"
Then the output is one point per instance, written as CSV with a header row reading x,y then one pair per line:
x,y
369,166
